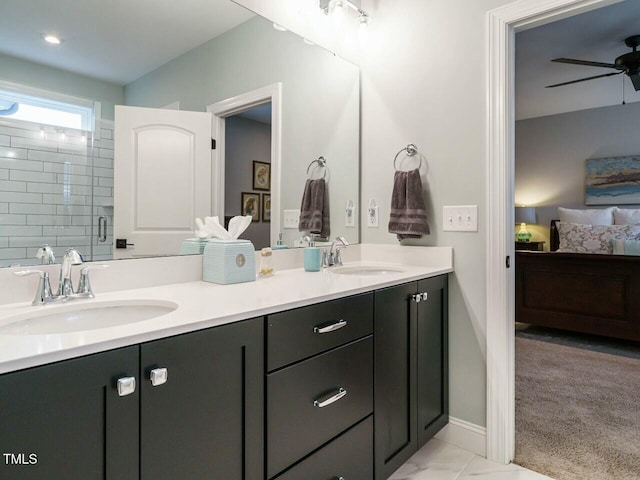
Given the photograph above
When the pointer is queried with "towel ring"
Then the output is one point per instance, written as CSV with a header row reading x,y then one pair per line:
x,y
411,150
322,163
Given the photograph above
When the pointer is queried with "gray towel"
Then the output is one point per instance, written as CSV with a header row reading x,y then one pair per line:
x,y
408,217
314,211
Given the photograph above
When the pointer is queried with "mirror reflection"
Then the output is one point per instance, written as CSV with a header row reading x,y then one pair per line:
x,y
69,176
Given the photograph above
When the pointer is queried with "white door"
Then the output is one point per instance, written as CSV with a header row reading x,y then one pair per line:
x,y
162,178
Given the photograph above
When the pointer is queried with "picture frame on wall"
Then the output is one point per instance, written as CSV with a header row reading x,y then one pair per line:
x,y
613,181
266,207
261,176
251,205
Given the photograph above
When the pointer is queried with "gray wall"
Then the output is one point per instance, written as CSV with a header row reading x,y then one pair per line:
x,y
551,153
245,141
23,72
320,103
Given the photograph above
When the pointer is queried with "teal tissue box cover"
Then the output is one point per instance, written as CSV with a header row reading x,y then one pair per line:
x,y
192,246
229,261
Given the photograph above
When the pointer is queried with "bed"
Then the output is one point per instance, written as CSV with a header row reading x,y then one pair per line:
x,y
581,292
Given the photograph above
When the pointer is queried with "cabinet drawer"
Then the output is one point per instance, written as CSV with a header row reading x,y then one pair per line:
x,y
349,456
303,332
295,424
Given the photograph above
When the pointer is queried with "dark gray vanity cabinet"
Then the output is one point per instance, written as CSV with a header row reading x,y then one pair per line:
x,y
320,391
411,369
206,420
433,358
66,420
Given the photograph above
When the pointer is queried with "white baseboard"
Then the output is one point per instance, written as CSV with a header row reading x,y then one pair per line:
x,y
465,435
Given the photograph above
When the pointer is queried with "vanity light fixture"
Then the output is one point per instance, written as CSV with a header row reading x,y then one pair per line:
x,y
363,27
279,27
42,133
62,135
307,41
337,11
52,39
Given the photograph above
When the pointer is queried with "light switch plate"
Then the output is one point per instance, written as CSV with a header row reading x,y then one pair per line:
x,y
461,218
291,219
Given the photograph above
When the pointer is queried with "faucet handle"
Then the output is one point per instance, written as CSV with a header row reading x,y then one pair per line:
x,y
84,285
338,256
35,271
43,293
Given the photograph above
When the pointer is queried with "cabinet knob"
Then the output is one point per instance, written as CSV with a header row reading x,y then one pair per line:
x,y
420,297
159,376
333,398
126,386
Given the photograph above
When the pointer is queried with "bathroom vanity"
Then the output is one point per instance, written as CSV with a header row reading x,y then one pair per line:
x,y
346,385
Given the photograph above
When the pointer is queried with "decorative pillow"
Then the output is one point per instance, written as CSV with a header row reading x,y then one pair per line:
x,y
579,238
626,247
594,216
626,216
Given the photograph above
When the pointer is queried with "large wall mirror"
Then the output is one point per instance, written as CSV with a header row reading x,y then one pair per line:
x,y
74,164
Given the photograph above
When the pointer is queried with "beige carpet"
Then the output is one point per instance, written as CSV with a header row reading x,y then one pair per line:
x,y
577,412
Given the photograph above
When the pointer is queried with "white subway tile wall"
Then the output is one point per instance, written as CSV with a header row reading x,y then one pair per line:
x,y
53,189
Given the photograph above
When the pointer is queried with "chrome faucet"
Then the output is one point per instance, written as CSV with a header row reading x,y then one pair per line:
x,y
65,286
46,255
333,256
65,291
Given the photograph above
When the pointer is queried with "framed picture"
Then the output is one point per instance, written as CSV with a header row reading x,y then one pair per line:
x,y
613,181
251,205
261,176
266,207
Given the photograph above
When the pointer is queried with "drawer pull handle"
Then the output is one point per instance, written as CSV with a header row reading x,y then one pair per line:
x,y
332,327
333,398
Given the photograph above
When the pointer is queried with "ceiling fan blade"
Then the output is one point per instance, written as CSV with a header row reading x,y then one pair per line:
x,y
635,79
585,79
585,63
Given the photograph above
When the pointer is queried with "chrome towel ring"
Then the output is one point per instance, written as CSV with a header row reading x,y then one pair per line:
x,y
322,163
410,150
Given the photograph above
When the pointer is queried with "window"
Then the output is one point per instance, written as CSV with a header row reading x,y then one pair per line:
x,y
46,108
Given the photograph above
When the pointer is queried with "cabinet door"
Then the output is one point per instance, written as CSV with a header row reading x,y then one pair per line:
x,y
66,420
206,421
395,378
433,385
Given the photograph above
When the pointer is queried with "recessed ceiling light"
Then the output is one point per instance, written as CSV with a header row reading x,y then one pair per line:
x,y
52,39
279,27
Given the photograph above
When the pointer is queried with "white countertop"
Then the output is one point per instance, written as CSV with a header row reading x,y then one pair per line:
x,y
200,305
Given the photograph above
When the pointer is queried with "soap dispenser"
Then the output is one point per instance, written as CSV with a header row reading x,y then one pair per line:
x,y
279,244
312,256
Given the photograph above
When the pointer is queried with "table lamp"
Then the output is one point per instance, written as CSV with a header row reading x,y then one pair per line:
x,y
524,215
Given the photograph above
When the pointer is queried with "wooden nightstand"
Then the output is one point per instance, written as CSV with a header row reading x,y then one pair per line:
x,y
531,246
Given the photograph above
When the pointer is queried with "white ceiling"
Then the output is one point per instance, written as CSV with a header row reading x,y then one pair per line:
x,y
113,40
598,36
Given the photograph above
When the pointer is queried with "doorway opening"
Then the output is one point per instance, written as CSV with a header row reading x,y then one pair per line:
x,y
263,202
502,24
247,171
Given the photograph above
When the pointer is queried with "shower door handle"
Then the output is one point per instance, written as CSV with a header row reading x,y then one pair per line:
x,y
102,229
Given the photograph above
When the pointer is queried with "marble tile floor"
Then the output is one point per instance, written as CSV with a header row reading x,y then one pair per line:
x,y
438,460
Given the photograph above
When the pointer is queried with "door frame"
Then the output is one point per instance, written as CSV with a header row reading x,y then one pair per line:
x,y
232,106
502,24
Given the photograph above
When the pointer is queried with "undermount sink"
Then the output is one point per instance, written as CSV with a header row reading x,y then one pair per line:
x,y
366,270
83,316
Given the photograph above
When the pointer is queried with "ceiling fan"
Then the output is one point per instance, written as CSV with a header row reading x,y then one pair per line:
x,y
629,64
